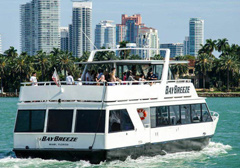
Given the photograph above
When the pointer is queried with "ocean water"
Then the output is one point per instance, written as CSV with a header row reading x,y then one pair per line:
x,y
222,152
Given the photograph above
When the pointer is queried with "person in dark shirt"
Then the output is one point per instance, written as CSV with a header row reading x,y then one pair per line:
x,y
151,76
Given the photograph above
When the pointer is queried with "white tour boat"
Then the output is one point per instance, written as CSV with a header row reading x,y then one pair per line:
x,y
109,121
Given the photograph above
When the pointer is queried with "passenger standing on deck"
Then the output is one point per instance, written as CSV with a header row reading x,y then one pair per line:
x,y
142,79
33,79
69,79
88,77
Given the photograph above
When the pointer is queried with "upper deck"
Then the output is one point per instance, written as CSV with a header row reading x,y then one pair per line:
x,y
84,91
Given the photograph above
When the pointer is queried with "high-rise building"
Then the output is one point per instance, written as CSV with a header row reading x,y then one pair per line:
x,y
186,50
176,49
1,51
64,38
147,38
40,22
196,35
129,28
81,27
70,38
105,34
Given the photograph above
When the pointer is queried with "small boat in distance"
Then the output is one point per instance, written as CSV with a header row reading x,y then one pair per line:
x,y
103,121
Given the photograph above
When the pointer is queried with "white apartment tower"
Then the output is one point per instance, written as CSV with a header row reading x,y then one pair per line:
x,y
147,38
105,34
81,28
40,22
196,35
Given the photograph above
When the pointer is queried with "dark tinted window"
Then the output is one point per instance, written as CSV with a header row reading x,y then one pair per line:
x,y
205,114
119,120
60,120
162,116
174,115
90,121
30,121
153,117
185,114
196,113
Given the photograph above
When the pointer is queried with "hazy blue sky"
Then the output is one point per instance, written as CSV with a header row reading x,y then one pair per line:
x,y
170,17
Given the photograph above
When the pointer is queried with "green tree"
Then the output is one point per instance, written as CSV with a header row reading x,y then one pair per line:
x,y
229,63
203,65
157,57
124,54
3,64
42,63
179,69
65,61
222,45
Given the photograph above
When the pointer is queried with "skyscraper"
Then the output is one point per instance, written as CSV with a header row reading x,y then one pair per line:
x,y
186,50
147,38
105,34
1,44
81,27
196,35
129,28
64,38
176,49
40,26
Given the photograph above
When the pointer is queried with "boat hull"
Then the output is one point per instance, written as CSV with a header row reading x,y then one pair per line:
x,y
96,156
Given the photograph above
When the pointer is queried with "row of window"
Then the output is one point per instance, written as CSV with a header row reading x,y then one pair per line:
x,y
91,121
182,114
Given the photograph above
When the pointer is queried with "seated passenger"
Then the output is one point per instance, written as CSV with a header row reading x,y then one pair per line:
x,y
100,73
112,76
142,79
151,76
69,79
130,76
92,77
124,76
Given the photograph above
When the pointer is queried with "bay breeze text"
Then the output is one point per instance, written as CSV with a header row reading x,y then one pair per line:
x,y
177,90
57,139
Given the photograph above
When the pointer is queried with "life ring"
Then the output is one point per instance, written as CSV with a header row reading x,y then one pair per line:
x,y
142,113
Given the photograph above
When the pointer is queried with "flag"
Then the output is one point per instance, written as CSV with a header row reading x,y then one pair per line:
x,y
55,78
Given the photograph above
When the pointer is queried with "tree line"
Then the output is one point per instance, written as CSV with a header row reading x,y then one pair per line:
x,y
223,72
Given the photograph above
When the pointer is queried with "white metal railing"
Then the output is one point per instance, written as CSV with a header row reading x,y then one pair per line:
x,y
214,115
180,81
52,83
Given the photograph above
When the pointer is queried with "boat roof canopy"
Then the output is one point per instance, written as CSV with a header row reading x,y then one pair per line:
x,y
126,62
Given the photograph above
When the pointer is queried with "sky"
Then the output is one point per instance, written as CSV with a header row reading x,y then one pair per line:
x,y
169,17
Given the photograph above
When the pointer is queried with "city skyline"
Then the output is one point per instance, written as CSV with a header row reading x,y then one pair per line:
x,y
171,29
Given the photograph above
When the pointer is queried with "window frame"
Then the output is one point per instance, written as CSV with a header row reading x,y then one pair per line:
x,y
30,121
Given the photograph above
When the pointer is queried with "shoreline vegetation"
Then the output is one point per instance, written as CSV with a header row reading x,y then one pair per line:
x,y
221,74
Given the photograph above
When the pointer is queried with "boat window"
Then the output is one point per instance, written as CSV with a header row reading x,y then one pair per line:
x,y
90,121
162,116
60,120
174,115
206,117
185,114
30,121
119,120
153,117
196,113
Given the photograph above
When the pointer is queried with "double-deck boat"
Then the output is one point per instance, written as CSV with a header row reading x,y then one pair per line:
x,y
106,121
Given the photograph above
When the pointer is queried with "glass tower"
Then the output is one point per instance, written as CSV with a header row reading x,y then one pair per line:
x,y
196,35
81,28
40,26
105,34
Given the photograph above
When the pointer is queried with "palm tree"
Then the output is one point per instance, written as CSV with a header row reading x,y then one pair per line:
x,y
222,45
3,64
65,61
11,53
157,57
22,65
230,64
125,53
42,62
203,65
179,69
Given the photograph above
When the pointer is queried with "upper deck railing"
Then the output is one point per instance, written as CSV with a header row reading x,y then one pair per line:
x,y
86,91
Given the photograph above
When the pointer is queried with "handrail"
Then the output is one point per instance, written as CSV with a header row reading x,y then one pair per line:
x,y
49,83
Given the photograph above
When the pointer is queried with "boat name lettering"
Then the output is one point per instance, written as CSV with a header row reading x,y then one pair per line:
x,y
57,138
177,89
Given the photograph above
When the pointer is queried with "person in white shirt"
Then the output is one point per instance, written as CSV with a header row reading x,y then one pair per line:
x,y
69,79
33,79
